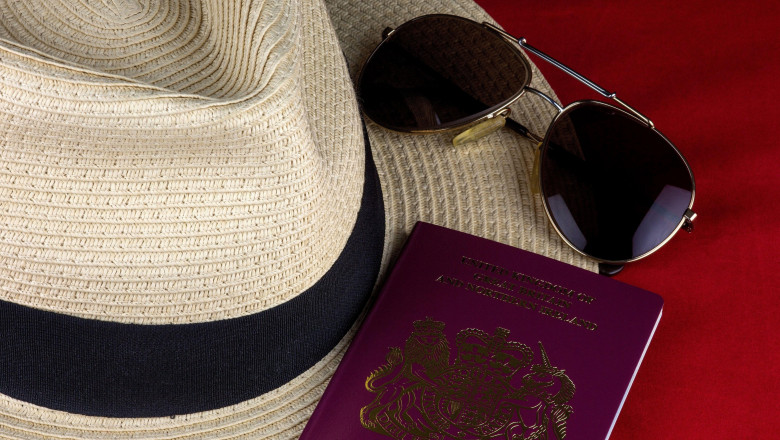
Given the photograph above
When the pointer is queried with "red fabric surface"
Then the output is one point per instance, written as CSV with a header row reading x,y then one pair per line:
x,y
706,73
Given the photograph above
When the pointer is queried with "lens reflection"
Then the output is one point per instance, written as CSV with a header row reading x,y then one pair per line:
x,y
437,72
615,188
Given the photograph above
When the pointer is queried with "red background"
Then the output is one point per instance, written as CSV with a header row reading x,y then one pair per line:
x,y
707,74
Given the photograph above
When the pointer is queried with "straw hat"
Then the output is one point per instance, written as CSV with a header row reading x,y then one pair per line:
x,y
190,224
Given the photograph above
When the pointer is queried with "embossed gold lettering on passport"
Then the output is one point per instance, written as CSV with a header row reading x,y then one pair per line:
x,y
493,388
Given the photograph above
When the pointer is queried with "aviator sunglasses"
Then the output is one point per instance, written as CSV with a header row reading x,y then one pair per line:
x,y
613,187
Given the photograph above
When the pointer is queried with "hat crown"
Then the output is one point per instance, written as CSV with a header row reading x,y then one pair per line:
x,y
185,164
208,48
124,9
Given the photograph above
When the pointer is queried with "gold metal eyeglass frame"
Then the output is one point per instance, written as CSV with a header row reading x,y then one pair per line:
x,y
497,117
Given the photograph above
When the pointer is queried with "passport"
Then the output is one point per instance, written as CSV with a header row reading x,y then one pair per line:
x,y
473,339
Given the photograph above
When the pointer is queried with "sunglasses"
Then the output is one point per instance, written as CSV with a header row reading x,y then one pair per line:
x,y
614,188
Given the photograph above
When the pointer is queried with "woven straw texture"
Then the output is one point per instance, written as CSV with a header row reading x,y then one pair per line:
x,y
171,164
482,188
176,162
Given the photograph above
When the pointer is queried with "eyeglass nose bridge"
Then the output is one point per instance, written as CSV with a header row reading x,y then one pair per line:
x,y
545,97
579,77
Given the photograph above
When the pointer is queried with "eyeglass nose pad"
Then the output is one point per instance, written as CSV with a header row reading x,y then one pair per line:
x,y
535,189
482,129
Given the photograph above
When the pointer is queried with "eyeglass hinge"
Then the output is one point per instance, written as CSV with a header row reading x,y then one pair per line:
x,y
689,217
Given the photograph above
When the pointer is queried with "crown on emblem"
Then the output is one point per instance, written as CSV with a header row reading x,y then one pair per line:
x,y
428,326
493,354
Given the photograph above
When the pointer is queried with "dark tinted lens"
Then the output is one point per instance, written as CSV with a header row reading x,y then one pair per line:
x,y
616,189
438,72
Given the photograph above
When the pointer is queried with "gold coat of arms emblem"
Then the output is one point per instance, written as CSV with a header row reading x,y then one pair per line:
x,y
493,388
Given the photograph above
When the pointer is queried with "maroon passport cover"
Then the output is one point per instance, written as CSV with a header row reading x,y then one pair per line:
x,y
473,339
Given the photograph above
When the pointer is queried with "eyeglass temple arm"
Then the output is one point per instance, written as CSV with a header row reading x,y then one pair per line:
x,y
602,91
